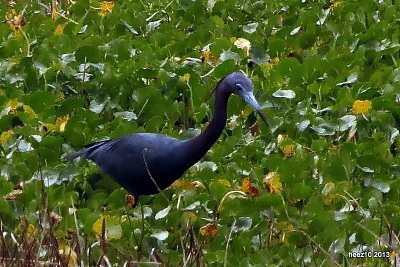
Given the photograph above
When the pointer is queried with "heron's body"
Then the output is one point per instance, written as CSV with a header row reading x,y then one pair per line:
x,y
145,163
125,160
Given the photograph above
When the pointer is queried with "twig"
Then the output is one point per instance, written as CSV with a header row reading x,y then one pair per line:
x,y
319,246
191,99
148,172
221,203
208,73
70,20
28,45
5,250
102,243
77,231
58,13
227,243
140,247
183,252
141,110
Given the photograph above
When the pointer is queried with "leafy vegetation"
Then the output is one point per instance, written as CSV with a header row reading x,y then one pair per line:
x,y
324,184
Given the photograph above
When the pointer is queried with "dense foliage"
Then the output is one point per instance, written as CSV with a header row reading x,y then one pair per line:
x,y
324,184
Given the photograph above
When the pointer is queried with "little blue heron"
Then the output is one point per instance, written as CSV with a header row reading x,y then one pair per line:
x,y
146,163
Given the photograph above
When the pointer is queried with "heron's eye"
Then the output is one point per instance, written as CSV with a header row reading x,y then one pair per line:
x,y
239,86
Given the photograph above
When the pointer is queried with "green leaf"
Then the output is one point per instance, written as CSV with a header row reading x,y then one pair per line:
x,y
350,79
226,55
89,53
242,224
289,94
126,115
225,68
129,27
250,28
161,235
337,246
162,213
376,183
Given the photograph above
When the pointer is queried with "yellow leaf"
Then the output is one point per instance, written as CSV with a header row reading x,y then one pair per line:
x,y
54,11
224,182
113,229
327,199
188,217
47,127
30,111
12,105
288,150
98,225
209,229
5,136
328,193
186,184
275,60
60,29
266,68
68,256
246,112
207,57
318,43
61,123
58,126
11,13
185,78
269,66
335,149
393,257
335,4
285,227
106,8
183,184
248,188
59,95
328,188
30,230
272,182
361,106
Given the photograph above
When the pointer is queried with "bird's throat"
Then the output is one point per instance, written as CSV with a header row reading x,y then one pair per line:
x,y
202,143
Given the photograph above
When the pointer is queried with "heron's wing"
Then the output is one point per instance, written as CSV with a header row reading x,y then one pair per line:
x,y
89,149
131,159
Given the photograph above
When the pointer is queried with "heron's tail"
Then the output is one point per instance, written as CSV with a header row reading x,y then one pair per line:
x,y
89,149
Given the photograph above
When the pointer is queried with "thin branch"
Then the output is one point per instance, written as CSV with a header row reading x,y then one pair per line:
x,y
149,173
319,247
77,230
227,243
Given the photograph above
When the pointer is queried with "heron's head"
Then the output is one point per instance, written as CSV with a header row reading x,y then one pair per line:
x,y
238,83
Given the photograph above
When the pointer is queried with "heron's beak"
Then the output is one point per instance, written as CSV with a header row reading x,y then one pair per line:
x,y
249,98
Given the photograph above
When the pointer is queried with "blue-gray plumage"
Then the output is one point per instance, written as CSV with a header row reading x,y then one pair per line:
x,y
145,163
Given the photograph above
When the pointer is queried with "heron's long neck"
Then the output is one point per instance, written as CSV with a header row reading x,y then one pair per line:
x,y
199,145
